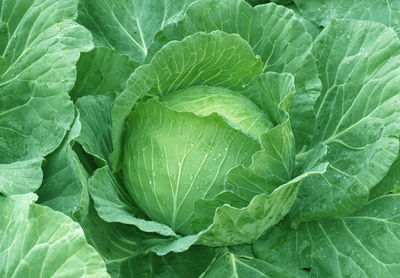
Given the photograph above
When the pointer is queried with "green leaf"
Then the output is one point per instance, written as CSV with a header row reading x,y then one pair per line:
x,y
115,242
3,63
174,265
102,71
390,183
237,110
163,246
364,244
41,47
282,2
321,12
128,25
310,27
21,177
230,265
273,165
357,116
244,225
95,136
113,207
274,33
284,246
64,186
200,59
39,242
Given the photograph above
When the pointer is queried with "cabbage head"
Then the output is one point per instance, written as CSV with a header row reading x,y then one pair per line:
x,y
182,148
206,144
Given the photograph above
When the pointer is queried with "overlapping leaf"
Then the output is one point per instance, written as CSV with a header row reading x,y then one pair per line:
x,y
273,32
64,186
357,116
321,12
364,244
39,242
102,71
21,177
129,25
40,45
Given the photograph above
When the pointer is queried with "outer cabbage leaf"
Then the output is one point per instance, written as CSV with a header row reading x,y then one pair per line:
x,y
274,33
115,242
244,225
102,71
310,26
273,165
390,183
128,26
113,206
364,244
231,265
95,136
21,177
40,44
357,116
321,12
64,186
3,62
173,265
39,242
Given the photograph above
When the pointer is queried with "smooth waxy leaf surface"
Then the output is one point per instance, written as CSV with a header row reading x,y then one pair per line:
x,y
39,242
230,265
321,12
273,165
20,177
64,186
173,265
102,71
40,45
357,116
112,209
390,183
364,244
95,114
129,25
310,26
244,225
115,242
238,111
